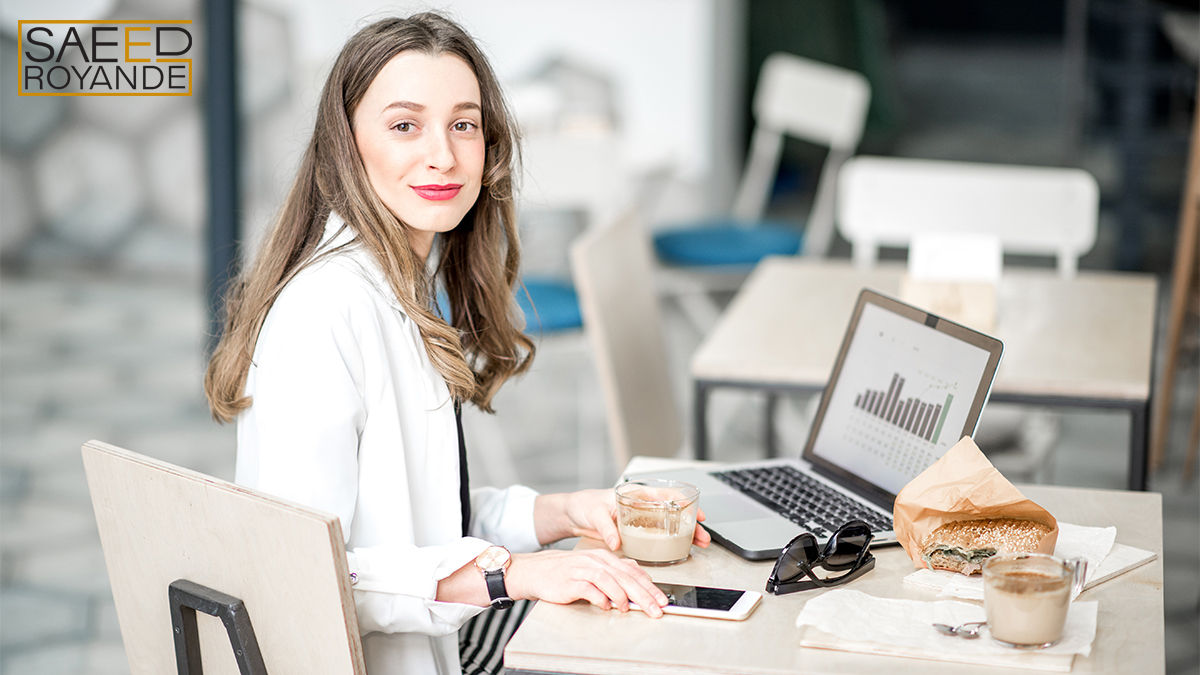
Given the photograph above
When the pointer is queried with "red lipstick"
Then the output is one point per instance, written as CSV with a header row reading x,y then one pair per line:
x,y
437,193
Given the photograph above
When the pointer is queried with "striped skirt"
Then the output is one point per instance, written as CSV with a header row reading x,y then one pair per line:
x,y
481,640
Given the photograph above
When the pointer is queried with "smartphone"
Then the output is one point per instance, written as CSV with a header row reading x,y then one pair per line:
x,y
702,601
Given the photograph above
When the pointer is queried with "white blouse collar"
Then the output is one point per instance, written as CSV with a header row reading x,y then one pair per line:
x,y
338,233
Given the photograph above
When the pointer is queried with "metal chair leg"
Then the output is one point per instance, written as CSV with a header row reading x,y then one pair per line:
x,y
186,598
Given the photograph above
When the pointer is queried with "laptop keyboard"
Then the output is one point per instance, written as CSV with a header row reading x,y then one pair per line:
x,y
803,500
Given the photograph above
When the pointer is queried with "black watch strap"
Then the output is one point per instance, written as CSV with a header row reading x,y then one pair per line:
x,y
497,590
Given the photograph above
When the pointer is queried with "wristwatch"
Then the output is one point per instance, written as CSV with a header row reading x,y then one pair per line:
x,y
492,563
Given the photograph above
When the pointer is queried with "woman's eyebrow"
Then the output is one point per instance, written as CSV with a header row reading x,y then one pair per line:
x,y
417,107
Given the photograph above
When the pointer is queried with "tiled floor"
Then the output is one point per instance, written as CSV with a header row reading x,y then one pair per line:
x,y
120,360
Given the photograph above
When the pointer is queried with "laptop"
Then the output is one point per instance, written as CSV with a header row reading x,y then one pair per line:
x,y
906,386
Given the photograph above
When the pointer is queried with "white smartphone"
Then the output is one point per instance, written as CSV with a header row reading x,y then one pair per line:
x,y
712,603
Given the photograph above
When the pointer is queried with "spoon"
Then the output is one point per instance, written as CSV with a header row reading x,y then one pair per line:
x,y
963,631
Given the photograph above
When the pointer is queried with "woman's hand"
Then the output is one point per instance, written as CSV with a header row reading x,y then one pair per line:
x,y
589,513
596,575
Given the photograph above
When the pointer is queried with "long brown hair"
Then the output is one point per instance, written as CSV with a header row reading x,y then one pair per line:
x,y
477,347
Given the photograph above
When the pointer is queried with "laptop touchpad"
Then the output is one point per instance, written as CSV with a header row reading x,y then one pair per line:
x,y
726,508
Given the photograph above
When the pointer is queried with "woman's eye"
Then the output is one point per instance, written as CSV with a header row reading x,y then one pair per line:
x,y
464,126
403,126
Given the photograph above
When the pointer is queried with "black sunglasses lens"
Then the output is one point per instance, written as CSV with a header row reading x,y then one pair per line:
x,y
801,551
845,555
847,544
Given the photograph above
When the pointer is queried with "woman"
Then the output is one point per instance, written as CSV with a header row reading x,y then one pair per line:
x,y
345,382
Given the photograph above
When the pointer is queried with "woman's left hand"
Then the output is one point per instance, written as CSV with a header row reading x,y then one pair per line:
x,y
589,513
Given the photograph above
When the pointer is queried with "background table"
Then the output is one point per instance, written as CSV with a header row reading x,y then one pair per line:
x,y
579,638
1088,342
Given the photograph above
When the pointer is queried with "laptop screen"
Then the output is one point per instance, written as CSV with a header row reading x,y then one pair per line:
x,y
907,385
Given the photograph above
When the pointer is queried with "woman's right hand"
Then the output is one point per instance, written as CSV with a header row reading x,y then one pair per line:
x,y
594,575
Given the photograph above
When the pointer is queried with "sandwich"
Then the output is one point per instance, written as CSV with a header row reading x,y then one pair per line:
x,y
963,545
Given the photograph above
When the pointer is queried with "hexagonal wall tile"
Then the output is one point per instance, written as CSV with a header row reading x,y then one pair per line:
x,y
89,187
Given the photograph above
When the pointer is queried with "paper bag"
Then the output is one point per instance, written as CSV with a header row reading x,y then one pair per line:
x,y
962,485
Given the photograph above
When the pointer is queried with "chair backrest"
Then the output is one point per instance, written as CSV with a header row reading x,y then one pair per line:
x,y
160,523
884,201
812,101
612,268
582,172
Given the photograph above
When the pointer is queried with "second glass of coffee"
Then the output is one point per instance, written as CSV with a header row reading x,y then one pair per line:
x,y
1026,597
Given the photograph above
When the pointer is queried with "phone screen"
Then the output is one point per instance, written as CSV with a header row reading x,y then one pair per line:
x,y
700,597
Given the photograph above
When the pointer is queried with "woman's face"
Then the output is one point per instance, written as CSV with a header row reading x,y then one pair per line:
x,y
419,129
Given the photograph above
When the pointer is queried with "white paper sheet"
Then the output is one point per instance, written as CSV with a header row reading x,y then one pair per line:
x,y
855,616
1092,543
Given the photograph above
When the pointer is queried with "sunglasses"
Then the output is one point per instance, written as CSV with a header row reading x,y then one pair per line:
x,y
847,552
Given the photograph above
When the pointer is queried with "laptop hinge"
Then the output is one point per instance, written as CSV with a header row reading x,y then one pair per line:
x,y
870,493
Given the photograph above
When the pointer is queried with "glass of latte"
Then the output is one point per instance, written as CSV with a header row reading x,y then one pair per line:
x,y
1026,596
656,519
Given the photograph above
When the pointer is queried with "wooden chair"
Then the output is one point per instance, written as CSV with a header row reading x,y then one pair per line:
x,y
269,578
613,271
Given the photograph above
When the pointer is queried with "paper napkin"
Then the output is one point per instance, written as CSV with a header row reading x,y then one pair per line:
x,y
863,623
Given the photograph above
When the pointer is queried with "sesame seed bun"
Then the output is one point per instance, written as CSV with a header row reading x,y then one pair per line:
x,y
963,545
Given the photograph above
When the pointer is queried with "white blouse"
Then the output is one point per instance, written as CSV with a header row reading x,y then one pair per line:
x,y
349,416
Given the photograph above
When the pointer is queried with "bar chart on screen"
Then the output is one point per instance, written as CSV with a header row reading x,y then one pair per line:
x,y
902,398
899,425
913,415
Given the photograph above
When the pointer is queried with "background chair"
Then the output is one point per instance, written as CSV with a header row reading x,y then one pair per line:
x,y
613,271
571,181
884,201
815,102
168,532
1040,211
575,178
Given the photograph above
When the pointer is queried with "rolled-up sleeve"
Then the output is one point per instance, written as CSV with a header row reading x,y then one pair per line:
x,y
395,587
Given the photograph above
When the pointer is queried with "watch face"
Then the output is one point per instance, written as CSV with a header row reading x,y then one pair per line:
x,y
493,558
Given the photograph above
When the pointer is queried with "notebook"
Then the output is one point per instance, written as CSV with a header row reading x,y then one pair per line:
x,y
905,387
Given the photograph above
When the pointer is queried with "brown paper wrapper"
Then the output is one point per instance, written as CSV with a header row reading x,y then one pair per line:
x,y
962,485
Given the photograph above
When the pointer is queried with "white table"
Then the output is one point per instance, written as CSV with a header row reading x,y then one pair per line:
x,y
579,638
1088,342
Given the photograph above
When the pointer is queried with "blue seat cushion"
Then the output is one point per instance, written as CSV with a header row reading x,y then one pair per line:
x,y
555,306
726,242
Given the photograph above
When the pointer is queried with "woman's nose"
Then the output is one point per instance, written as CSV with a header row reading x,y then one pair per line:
x,y
440,152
